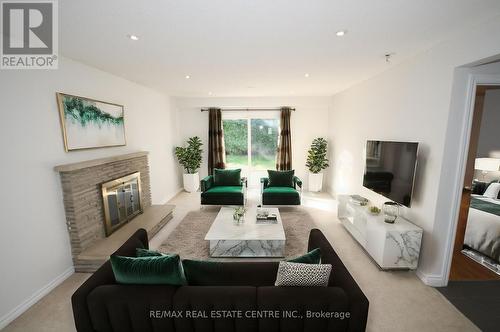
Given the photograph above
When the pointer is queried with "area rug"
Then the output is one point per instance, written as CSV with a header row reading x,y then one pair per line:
x,y
187,239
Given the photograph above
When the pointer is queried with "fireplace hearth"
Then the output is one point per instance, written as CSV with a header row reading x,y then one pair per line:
x,y
121,201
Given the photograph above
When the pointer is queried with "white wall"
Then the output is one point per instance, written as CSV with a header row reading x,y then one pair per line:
x,y
33,236
308,122
411,102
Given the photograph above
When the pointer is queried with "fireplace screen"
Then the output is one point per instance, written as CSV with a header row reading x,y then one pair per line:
x,y
122,201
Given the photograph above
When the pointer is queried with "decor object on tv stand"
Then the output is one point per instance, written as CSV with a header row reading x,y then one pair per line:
x,y
316,162
374,211
358,200
190,158
392,246
391,212
88,123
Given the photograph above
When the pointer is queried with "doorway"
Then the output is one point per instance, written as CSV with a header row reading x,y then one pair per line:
x,y
477,241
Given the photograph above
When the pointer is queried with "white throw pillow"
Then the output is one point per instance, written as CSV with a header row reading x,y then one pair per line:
x,y
492,190
300,274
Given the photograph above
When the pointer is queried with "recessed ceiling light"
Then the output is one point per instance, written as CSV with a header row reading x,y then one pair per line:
x,y
133,37
188,77
341,33
306,75
210,93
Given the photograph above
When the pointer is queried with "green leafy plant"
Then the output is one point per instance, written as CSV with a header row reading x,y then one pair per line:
x,y
190,157
316,158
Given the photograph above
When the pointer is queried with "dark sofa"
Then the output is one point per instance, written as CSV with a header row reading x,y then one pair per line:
x,y
100,304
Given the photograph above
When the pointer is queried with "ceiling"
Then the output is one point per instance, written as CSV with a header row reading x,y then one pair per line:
x,y
257,47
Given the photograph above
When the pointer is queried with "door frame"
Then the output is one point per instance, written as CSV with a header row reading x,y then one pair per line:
x,y
472,82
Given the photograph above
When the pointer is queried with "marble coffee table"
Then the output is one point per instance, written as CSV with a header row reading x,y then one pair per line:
x,y
248,238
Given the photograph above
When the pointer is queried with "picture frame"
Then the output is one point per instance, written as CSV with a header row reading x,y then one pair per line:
x,y
88,123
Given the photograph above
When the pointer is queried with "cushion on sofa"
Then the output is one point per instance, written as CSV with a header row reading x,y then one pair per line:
x,y
141,252
280,191
280,196
224,190
227,177
303,275
152,270
312,257
210,273
281,178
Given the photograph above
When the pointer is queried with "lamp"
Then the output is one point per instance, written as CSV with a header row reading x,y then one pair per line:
x,y
486,165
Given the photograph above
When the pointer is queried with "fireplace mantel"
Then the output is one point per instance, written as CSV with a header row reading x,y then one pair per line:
x,y
97,162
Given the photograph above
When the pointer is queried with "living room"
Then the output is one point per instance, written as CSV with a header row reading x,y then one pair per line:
x,y
363,76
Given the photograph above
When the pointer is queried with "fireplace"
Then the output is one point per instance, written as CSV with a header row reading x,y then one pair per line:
x,y
122,201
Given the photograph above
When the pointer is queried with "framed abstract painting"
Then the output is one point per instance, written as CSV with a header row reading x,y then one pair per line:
x,y
88,123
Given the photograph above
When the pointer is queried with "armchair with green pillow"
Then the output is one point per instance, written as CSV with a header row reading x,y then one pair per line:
x,y
280,188
224,187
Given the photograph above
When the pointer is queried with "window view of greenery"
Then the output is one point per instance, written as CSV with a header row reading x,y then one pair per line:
x,y
264,142
236,143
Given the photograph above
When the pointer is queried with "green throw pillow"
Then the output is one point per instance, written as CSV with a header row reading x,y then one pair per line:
x,y
152,270
141,252
312,257
198,271
280,178
227,177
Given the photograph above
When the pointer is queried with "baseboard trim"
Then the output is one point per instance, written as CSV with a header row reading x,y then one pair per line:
x,y
432,280
30,301
168,198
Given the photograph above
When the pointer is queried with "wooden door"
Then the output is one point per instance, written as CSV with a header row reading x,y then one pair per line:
x,y
463,267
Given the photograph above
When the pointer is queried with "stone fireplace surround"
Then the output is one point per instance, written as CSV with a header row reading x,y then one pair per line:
x,y
81,186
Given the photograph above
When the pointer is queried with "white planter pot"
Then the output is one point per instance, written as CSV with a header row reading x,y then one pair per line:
x,y
315,181
191,182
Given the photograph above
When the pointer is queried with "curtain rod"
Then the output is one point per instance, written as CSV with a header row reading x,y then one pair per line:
x,y
248,109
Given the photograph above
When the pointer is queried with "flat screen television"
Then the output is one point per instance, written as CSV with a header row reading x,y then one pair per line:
x,y
390,169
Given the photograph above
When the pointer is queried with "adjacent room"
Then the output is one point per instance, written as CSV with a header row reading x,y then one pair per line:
x,y
319,165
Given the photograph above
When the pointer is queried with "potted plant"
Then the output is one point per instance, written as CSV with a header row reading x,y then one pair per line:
x,y
190,158
316,162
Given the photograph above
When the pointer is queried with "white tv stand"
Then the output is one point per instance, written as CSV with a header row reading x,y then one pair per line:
x,y
392,246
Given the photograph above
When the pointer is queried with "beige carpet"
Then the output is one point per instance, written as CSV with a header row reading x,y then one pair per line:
x,y
188,241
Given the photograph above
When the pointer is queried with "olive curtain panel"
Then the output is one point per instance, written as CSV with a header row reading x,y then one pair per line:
x,y
284,155
216,150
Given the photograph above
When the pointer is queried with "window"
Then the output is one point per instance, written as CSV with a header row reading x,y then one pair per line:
x,y
251,140
264,139
236,142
